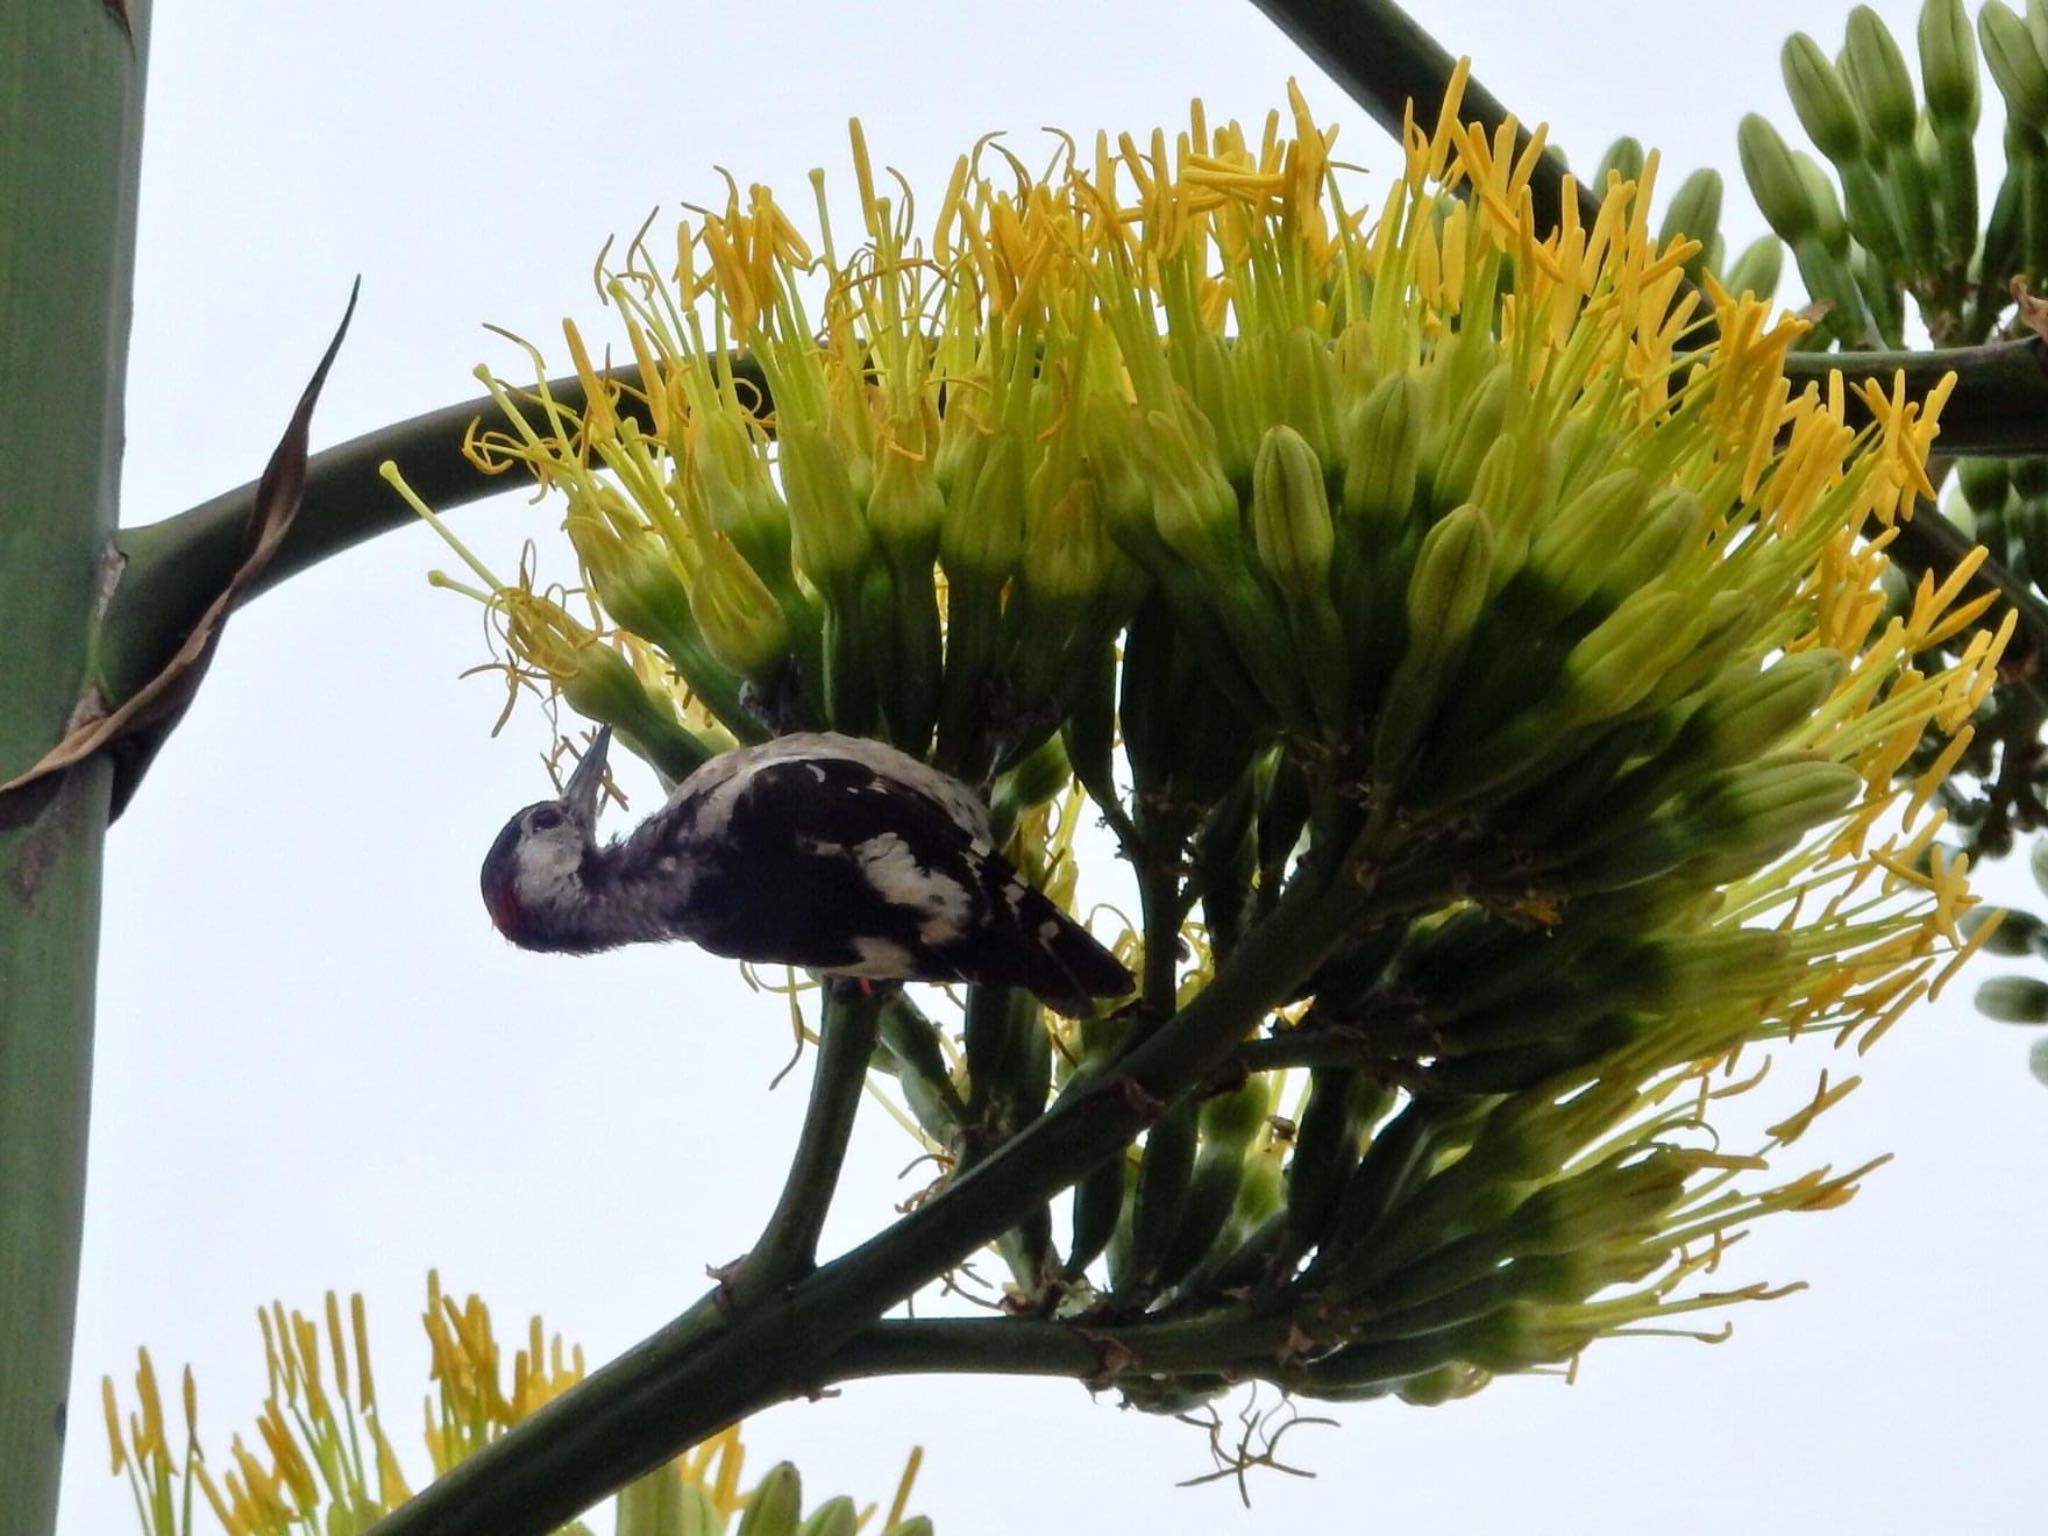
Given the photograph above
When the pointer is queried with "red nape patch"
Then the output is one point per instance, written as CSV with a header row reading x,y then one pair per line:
x,y
507,916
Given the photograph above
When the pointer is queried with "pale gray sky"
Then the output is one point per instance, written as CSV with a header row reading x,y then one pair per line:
x,y
317,1065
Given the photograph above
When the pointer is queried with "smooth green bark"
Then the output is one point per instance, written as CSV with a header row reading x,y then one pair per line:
x,y
70,120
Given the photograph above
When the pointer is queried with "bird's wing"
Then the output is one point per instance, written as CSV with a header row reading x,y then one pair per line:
x,y
828,862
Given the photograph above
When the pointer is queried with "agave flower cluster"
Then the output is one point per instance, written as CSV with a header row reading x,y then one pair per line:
x,y
1492,581
323,1464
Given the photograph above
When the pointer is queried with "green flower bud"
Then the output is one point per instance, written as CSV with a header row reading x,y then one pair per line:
x,y
916,1525
1628,654
775,1504
1193,507
1820,98
1751,815
2016,64
1571,550
1743,717
1757,269
1472,427
1224,402
1624,157
736,611
1948,65
1291,527
1445,594
833,542
1695,211
1668,527
1876,73
2037,864
1986,483
1774,180
2017,934
1830,228
1232,1119
1308,389
835,1517
2014,1000
1384,446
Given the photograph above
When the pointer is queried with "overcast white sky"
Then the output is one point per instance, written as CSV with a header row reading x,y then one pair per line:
x,y
318,1067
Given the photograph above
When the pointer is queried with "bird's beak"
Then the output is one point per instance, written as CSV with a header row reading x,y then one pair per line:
x,y
585,783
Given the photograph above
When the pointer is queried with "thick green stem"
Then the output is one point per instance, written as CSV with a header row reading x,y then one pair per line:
x,y
789,1245
1383,60
696,1375
70,118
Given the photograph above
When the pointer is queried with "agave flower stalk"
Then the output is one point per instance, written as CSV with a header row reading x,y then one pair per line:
x,y
1494,693
321,1459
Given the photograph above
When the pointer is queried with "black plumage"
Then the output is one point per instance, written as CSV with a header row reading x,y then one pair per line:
x,y
828,852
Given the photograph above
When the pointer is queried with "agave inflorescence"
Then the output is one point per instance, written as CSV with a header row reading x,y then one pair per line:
x,y
322,1462
1412,559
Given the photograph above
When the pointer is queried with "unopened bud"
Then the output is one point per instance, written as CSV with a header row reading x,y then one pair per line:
x,y
1876,73
1572,548
1774,180
1628,653
1743,717
1751,815
1384,444
1308,389
1193,507
1232,1119
1830,228
2016,65
775,1505
1757,270
1445,594
2014,1000
835,1517
1624,158
1821,99
1469,428
1291,527
1695,211
1948,65
2017,932
1985,483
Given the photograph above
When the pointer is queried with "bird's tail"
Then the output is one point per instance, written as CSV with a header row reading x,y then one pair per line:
x,y
1050,955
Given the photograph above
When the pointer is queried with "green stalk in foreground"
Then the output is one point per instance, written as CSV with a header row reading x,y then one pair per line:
x,y
71,78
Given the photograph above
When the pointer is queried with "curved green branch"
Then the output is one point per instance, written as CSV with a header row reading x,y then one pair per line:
x,y
789,1245
702,1372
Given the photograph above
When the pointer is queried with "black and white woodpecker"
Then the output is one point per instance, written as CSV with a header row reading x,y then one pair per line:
x,y
834,853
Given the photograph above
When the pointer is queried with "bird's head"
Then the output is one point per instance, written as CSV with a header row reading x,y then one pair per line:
x,y
534,876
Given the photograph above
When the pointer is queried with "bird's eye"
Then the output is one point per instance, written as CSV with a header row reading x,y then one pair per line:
x,y
546,818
